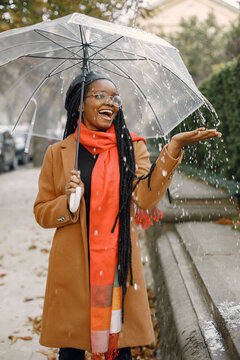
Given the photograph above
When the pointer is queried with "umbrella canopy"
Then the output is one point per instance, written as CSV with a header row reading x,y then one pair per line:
x,y
37,64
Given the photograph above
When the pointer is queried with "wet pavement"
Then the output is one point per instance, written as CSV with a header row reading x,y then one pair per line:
x,y
24,248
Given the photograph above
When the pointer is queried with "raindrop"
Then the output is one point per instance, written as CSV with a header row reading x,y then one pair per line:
x,y
164,172
163,159
94,149
95,232
56,291
100,272
124,159
69,334
136,286
93,135
99,208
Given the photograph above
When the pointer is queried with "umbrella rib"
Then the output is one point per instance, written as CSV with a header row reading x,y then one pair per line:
x,y
69,67
54,58
105,47
125,52
63,47
111,71
52,33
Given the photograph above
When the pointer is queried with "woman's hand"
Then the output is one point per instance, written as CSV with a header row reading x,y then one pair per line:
x,y
190,138
73,183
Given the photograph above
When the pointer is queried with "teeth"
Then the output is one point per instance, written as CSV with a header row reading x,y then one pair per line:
x,y
106,112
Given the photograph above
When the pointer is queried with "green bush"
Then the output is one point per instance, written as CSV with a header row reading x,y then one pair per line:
x,y
222,89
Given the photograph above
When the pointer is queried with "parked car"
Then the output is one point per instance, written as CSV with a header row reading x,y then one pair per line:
x,y
20,143
8,158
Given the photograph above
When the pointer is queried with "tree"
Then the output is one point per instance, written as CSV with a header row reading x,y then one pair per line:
x,y
18,13
200,45
232,39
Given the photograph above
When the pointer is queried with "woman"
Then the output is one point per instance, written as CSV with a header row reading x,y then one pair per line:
x,y
96,297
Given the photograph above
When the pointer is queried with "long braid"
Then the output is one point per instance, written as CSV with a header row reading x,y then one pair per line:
x,y
127,170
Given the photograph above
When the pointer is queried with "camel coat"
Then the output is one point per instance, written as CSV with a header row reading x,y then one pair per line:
x,y
66,312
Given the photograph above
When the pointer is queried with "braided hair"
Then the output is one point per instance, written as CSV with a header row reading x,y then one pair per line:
x,y
127,173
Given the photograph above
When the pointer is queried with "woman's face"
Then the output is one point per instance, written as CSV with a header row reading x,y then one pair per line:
x,y
98,111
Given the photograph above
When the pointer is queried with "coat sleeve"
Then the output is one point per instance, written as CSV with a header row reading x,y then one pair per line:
x,y
50,210
160,179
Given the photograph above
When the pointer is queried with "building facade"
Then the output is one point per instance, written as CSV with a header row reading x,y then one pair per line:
x,y
166,15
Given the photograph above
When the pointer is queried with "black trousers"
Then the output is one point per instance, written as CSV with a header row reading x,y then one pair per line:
x,y
77,354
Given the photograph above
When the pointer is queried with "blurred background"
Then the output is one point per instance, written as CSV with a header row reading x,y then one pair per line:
x,y
191,262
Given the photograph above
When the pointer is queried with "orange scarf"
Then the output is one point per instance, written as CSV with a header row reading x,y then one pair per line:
x,y
106,294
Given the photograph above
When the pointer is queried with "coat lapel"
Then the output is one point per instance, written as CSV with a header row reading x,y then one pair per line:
x,y
68,155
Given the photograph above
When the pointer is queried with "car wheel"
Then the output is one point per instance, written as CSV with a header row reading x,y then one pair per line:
x,y
25,158
14,164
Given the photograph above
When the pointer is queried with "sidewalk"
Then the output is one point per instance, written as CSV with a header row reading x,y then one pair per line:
x,y
24,248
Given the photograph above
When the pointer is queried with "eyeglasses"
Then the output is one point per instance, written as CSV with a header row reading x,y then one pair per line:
x,y
104,99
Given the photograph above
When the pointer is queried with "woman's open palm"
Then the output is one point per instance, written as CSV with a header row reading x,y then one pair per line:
x,y
193,137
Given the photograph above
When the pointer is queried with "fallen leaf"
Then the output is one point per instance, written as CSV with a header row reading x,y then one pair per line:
x,y
12,338
2,275
32,247
44,251
25,337
36,324
51,354
28,299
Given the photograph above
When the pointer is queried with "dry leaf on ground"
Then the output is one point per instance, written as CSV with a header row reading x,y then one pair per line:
x,y
14,338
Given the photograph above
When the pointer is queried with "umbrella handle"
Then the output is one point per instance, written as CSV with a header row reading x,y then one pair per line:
x,y
75,199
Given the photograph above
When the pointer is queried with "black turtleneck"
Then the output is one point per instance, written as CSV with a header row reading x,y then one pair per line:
x,y
86,162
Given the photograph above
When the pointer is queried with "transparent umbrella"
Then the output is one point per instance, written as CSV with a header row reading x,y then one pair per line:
x,y
37,64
